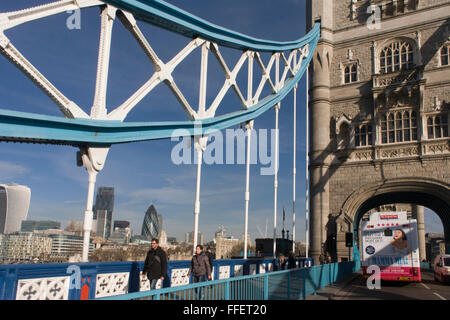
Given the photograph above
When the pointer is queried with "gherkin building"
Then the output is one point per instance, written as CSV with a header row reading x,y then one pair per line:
x,y
152,224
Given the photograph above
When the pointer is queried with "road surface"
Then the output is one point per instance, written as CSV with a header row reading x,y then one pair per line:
x,y
428,289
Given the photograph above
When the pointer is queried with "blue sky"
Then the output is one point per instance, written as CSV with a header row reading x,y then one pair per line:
x,y
143,173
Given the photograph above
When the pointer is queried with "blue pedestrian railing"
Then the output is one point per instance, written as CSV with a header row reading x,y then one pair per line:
x,y
291,284
426,266
81,281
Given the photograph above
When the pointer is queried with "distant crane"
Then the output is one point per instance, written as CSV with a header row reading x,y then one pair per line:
x,y
265,234
260,232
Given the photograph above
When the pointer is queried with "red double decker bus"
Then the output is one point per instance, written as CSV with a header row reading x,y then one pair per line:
x,y
389,241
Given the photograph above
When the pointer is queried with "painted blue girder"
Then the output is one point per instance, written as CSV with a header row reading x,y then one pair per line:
x,y
169,17
28,127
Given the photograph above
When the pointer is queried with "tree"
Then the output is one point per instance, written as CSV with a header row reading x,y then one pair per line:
x,y
238,249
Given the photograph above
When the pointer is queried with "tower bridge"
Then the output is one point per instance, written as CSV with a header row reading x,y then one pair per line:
x,y
95,132
378,113
377,86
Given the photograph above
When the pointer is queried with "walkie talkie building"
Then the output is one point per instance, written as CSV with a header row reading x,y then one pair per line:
x,y
14,204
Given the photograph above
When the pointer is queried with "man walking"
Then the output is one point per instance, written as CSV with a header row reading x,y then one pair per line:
x,y
155,266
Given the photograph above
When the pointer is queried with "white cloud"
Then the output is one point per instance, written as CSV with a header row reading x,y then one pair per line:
x,y
172,195
9,170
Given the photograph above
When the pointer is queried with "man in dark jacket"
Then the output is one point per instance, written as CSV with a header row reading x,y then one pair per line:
x,y
155,266
291,260
211,257
200,268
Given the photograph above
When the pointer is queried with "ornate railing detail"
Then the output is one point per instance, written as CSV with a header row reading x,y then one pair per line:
x,y
238,270
111,284
58,282
54,288
224,272
180,277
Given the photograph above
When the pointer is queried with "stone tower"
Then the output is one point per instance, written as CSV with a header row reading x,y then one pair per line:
x,y
379,114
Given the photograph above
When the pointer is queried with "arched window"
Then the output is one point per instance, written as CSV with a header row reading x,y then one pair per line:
x,y
344,136
445,54
396,56
351,73
363,135
437,126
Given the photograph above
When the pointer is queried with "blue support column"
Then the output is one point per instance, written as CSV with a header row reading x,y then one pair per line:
x,y
266,287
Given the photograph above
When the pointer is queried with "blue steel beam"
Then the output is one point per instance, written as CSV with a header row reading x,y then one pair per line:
x,y
29,127
169,17
35,128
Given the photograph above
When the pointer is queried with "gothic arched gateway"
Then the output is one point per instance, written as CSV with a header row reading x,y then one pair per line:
x,y
429,193
379,114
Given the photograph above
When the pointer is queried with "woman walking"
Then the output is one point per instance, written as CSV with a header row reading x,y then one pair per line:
x,y
200,268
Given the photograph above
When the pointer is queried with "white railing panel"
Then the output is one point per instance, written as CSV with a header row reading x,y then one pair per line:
x,y
53,288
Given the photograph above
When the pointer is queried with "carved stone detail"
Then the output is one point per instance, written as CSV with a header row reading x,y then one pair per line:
x,y
400,152
439,148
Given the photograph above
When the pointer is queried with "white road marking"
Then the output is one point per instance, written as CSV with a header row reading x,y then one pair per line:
x,y
441,297
425,286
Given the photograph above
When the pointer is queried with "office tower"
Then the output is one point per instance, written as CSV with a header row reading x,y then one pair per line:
x,y
121,224
31,225
103,211
121,232
23,247
189,238
152,225
120,235
67,245
103,223
14,205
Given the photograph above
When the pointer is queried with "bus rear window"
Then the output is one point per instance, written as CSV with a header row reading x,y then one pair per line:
x,y
447,262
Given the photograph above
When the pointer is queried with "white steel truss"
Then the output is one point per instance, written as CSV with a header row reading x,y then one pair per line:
x,y
280,67
163,70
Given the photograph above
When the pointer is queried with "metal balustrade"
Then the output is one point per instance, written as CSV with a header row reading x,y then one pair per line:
x,y
81,281
292,284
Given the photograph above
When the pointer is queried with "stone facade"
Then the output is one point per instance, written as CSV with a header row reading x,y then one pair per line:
x,y
379,112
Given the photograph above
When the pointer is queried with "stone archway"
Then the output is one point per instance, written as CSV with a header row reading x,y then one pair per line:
x,y
429,193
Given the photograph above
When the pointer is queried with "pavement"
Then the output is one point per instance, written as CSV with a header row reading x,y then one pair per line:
x,y
335,290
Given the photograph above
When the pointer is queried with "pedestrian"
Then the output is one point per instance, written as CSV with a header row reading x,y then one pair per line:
x,y
200,268
281,262
211,257
321,259
291,260
155,265
328,258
